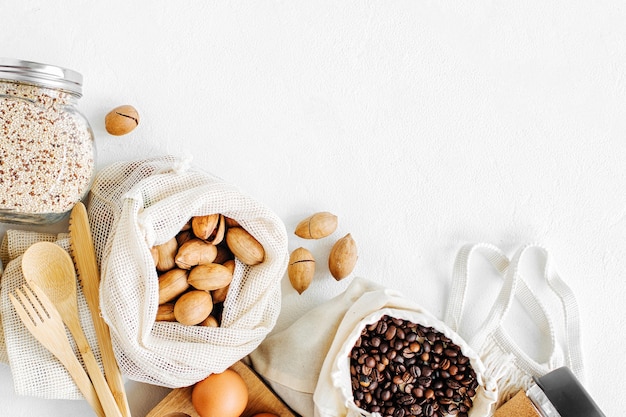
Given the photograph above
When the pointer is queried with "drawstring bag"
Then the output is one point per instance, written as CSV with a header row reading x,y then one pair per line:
x,y
139,204
506,362
308,363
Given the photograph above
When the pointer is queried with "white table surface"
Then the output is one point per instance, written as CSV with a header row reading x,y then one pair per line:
x,y
422,125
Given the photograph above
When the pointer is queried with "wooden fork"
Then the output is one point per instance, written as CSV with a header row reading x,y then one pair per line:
x,y
42,319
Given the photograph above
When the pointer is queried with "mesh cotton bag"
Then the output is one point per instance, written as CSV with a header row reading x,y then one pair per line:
x,y
308,363
507,362
139,204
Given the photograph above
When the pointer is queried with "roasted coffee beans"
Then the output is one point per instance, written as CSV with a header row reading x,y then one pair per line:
x,y
400,369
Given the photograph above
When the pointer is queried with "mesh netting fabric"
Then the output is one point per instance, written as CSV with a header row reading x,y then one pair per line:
x,y
136,205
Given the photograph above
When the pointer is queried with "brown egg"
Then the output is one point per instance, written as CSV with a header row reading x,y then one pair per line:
x,y
220,395
265,415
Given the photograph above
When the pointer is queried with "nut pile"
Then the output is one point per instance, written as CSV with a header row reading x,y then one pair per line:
x,y
399,368
342,257
196,268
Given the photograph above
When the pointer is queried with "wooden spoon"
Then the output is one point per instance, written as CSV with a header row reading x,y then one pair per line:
x,y
52,269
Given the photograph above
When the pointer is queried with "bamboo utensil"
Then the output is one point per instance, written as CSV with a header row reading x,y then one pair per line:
x,y
84,255
43,321
51,267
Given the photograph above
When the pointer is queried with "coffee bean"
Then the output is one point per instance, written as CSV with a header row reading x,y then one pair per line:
x,y
406,399
385,395
400,368
453,384
391,332
415,410
424,381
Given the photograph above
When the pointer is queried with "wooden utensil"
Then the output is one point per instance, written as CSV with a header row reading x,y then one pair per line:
x,y
43,321
84,255
51,267
261,399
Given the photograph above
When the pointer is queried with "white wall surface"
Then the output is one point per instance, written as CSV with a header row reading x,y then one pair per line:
x,y
423,125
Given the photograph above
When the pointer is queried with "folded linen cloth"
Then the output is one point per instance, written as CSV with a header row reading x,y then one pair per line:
x,y
36,372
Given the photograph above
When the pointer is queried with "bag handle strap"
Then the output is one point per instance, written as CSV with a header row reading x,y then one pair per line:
x,y
460,279
514,285
530,302
569,307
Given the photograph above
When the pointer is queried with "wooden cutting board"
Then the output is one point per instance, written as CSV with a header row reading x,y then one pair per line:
x,y
261,399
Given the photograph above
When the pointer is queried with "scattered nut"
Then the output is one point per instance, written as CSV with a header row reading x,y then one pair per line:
x,y
219,295
244,246
343,257
195,252
204,226
230,264
301,269
166,255
209,322
317,226
183,236
231,222
220,231
172,284
193,307
165,312
209,277
121,120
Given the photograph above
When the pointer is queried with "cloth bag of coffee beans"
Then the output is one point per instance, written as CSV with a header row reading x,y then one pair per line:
x,y
136,205
507,360
318,370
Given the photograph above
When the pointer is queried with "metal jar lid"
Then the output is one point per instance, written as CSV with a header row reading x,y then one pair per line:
x,y
567,394
43,75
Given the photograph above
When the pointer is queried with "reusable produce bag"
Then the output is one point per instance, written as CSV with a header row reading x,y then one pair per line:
x,y
506,361
136,205
307,364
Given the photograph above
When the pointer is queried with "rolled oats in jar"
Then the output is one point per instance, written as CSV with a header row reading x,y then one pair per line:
x,y
47,149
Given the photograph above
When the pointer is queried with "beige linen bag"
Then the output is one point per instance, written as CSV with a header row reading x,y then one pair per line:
x,y
307,364
135,205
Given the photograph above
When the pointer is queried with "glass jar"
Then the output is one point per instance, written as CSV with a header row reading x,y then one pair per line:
x,y
47,147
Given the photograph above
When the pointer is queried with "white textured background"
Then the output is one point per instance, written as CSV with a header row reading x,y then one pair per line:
x,y
422,124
